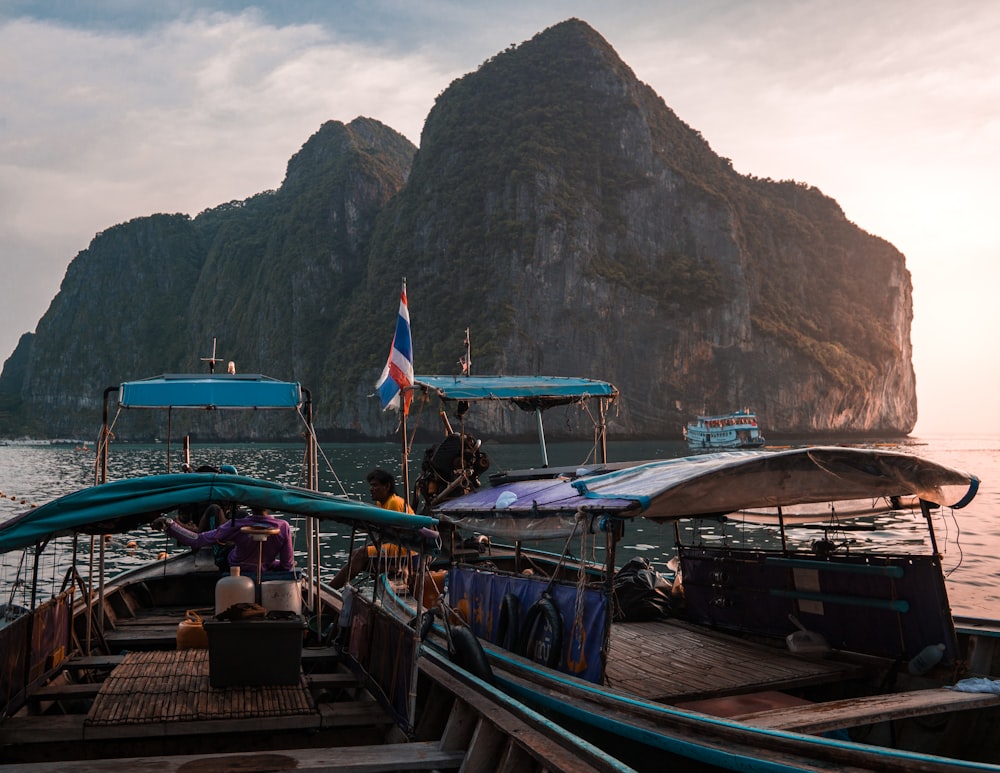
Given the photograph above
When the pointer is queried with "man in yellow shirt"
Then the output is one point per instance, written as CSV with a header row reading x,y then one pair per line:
x,y
382,485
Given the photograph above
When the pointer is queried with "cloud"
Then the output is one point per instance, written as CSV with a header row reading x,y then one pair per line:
x,y
103,126
892,108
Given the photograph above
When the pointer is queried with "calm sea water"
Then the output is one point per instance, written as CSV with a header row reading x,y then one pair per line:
x,y
969,539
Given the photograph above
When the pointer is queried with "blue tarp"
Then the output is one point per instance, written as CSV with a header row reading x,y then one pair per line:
x,y
706,485
210,391
477,596
127,504
526,391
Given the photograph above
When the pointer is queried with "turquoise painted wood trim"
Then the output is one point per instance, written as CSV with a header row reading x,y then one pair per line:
x,y
893,605
895,572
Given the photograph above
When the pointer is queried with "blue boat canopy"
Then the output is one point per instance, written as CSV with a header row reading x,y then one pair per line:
x,y
527,392
217,390
707,485
129,504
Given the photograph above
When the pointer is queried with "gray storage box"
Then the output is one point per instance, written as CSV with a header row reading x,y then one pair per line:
x,y
254,653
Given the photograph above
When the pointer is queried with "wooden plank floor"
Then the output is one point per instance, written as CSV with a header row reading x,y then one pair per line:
x,y
173,686
670,661
834,715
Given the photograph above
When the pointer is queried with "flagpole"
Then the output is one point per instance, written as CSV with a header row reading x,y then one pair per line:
x,y
406,463
395,385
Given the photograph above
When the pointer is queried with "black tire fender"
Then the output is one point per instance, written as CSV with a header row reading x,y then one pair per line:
x,y
545,609
426,623
509,625
468,653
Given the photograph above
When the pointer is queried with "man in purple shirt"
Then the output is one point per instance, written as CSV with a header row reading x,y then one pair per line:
x,y
257,536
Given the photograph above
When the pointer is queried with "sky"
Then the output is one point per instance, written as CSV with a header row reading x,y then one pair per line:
x,y
117,109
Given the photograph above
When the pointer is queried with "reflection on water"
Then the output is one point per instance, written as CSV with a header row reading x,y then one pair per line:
x,y
966,538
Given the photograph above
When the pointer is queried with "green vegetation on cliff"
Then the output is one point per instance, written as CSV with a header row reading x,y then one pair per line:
x,y
558,208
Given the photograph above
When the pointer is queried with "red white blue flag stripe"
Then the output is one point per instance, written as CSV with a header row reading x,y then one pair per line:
x,y
398,372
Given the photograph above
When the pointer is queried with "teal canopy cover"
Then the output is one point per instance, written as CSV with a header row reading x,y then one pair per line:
x,y
527,391
222,390
128,504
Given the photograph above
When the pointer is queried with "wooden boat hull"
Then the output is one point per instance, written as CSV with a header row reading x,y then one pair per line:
x,y
735,725
139,696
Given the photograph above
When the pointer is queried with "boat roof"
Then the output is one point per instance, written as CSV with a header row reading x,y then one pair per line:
x,y
210,391
711,485
528,392
131,503
740,413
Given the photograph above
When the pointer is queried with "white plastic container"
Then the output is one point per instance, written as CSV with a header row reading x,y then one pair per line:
x,y
281,596
234,589
804,642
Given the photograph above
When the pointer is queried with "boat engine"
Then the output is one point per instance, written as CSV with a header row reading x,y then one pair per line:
x,y
451,468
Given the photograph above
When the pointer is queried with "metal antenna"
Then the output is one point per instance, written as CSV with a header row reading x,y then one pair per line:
x,y
213,359
465,361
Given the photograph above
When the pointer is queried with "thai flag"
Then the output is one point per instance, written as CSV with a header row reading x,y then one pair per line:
x,y
398,372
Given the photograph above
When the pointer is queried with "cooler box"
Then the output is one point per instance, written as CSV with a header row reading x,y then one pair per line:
x,y
254,653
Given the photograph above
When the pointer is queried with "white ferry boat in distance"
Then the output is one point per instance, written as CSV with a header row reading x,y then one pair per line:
x,y
729,430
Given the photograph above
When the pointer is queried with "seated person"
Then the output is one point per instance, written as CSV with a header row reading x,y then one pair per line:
x,y
275,553
382,487
210,517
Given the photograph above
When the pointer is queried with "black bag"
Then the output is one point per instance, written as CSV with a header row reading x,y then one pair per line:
x,y
640,593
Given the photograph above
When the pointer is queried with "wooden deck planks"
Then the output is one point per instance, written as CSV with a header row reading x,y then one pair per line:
x,y
835,715
668,661
173,686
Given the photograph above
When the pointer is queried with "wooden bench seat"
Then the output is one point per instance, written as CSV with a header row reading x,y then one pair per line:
x,y
142,637
83,662
340,679
388,757
836,715
65,691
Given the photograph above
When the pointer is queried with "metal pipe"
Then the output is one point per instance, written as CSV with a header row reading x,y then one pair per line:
x,y
925,508
541,437
100,592
101,471
405,456
411,715
609,579
90,595
170,424
602,429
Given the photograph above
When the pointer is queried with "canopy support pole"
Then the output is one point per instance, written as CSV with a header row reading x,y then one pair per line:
x,y
314,531
411,718
541,437
101,468
405,462
170,425
602,429
90,594
925,508
613,534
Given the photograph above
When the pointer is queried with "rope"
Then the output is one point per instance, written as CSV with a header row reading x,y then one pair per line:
x,y
580,517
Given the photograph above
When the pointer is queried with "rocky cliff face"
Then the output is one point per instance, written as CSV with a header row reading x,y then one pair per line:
x,y
268,277
557,208
601,236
